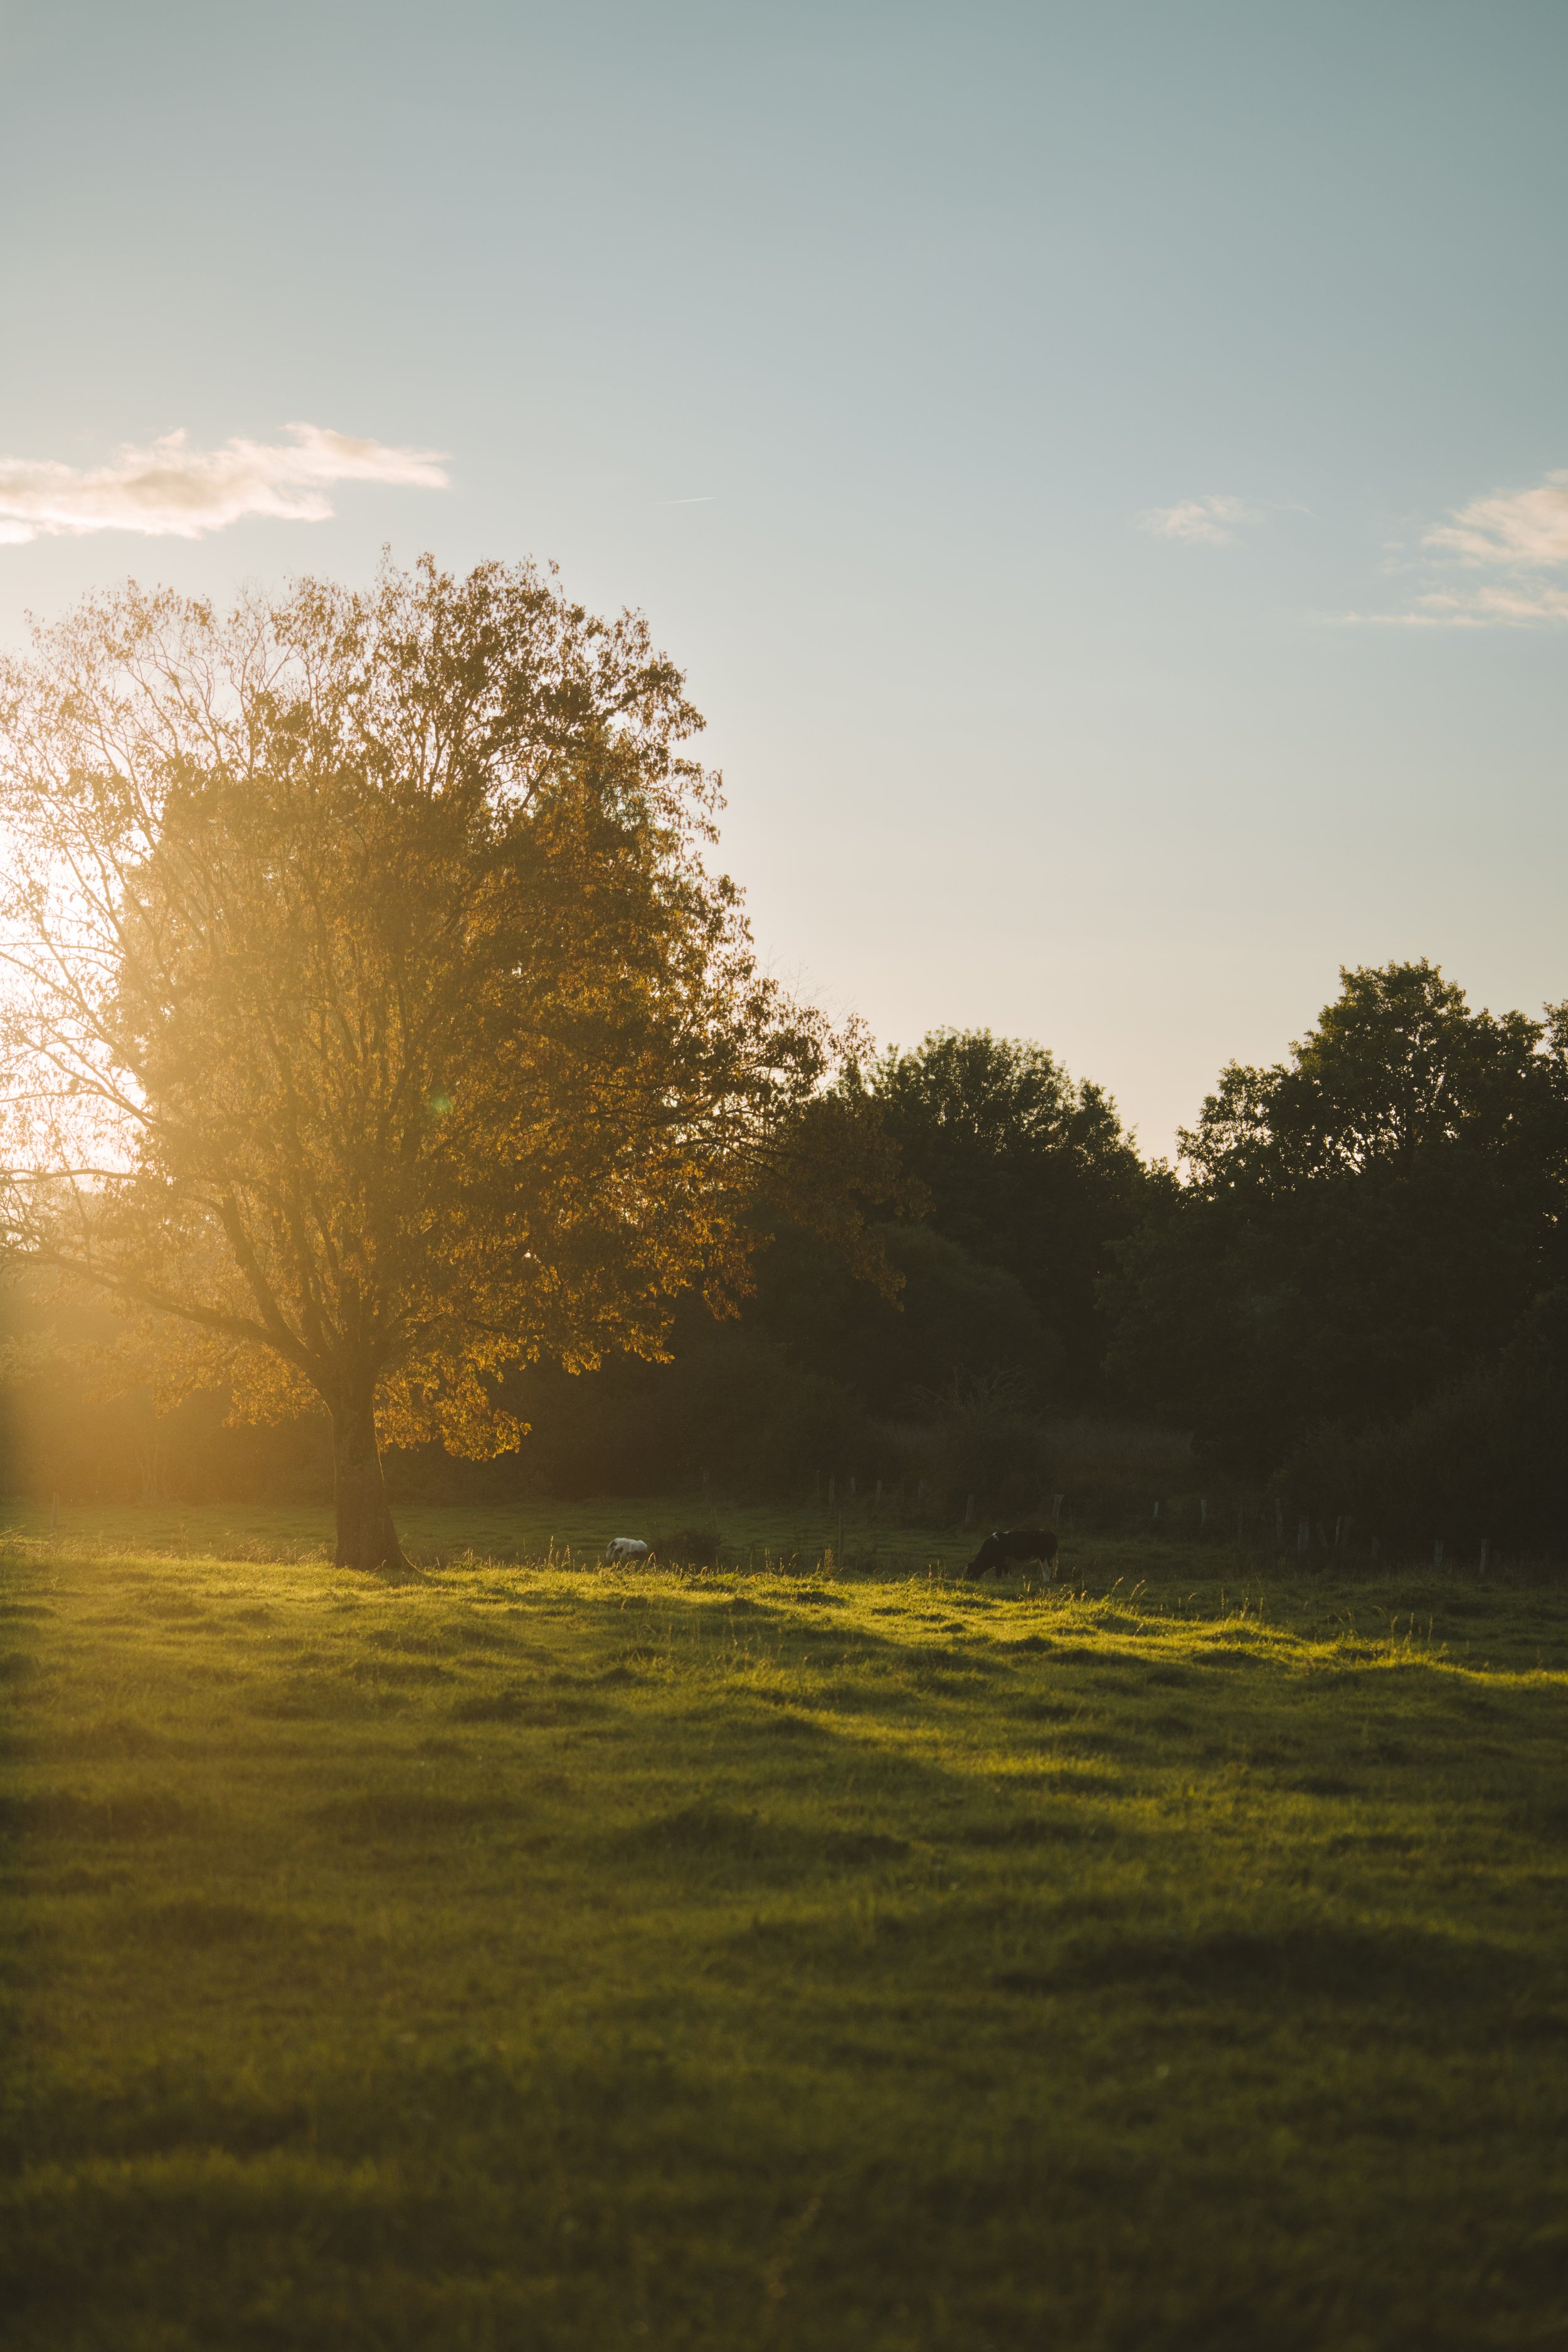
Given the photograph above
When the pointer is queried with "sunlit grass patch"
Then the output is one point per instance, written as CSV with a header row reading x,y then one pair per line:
x,y
527,1957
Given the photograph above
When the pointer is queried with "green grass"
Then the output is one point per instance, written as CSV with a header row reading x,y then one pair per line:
x,y
532,1959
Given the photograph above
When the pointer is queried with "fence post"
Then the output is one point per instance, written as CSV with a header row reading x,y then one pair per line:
x,y
1486,1548
969,1511
1057,1502
1279,1524
1303,1534
1438,1553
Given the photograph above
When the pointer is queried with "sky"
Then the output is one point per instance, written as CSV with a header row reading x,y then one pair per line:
x,y
1104,469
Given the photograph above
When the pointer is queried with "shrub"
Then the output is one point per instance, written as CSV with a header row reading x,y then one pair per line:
x,y
1487,1457
695,1546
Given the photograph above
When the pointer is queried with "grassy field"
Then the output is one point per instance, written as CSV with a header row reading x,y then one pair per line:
x,y
532,1957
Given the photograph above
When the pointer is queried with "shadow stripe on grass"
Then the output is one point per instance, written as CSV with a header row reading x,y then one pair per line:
x,y
410,1812
1312,1958
524,1706
111,1739
62,1814
1029,1829
723,1833
198,1924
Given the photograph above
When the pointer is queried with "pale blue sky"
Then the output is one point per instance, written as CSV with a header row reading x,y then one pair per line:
x,y
859,345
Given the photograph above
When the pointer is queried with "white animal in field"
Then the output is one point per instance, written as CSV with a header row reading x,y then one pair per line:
x,y
627,1547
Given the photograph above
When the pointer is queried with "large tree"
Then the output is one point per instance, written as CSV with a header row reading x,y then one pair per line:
x,y
371,1019
1362,1225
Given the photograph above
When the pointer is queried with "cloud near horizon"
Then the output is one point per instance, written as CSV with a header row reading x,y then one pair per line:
x,y
171,491
1213,521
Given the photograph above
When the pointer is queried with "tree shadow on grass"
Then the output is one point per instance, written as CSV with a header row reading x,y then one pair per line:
x,y
417,1813
1296,1961
59,1815
710,1833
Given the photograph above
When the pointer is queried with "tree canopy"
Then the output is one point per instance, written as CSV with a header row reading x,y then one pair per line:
x,y
1362,1225
372,1015
1024,1169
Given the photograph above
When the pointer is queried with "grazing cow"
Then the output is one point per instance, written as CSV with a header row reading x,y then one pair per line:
x,y
627,1547
1003,1546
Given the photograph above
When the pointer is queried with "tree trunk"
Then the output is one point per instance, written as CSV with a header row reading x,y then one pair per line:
x,y
366,1537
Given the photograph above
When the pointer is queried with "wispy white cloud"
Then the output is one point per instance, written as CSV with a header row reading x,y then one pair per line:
x,y
1527,530
172,491
1213,521
1521,537
1494,606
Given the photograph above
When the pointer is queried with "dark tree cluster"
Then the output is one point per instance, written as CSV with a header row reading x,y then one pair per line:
x,y
1355,1294
1017,1186
1362,1288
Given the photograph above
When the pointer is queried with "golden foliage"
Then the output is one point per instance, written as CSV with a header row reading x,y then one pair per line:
x,y
374,1018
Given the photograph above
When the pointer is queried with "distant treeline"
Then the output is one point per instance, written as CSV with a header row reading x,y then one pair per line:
x,y
1353,1294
